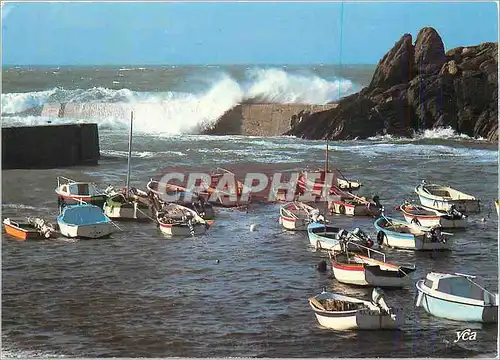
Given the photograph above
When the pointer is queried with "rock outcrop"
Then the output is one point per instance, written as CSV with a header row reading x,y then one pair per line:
x,y
418,87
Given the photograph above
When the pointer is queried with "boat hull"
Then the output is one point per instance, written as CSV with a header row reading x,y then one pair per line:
x,y
431,221
454,310
324,240
182,230
345,208
293,224
358,320
369,276
127,212
90,231
22,234
98,200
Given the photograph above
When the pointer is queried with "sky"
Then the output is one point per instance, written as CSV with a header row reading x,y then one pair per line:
x,y
189,33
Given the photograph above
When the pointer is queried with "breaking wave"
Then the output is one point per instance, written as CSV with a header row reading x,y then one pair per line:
x,y
175,112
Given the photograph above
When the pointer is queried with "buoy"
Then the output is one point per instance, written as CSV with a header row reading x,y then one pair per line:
x,y
217,261
253,227
483,219
321,266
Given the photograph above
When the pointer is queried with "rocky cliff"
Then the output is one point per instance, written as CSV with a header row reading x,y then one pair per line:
x,y
416,87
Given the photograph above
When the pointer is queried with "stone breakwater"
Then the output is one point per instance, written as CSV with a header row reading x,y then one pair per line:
x,y
244,119
416,87
49,146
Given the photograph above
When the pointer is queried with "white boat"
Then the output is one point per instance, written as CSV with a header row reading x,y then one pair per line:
x,y
72,192
347,203
124,205
180,195
297,215
322,236
131,203
338,312
402,235
355,268
178,220
497,206
457,297
428,217
84,221
443,197
328,237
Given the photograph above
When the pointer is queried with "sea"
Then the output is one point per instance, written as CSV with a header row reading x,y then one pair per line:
x,y
232,292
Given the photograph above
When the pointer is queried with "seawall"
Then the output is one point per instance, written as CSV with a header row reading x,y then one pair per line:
x,y
244,119
49,146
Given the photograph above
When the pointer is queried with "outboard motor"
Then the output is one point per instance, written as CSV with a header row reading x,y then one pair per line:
x,y
436,234
378,299
315,215
453,212
342,234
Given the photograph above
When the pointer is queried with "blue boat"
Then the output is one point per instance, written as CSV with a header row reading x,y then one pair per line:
x,y
322,236
457,297
84,221
399,234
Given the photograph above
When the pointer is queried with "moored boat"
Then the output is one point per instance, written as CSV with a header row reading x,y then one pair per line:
x,y
428,217
84,221
297,215
72,192
402,235
457,297
338,312
322,236
28,228
314,182
443,197
162,193
346,203
177,220
127,205
355,268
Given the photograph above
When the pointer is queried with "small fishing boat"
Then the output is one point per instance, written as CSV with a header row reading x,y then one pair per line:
x,y
84,221
365,270
178,220
72,192
322,236
169,193
429,217
402,235
129,203
443,197
346,203
457,297
314,182
327,237
28,228
338,312
297,215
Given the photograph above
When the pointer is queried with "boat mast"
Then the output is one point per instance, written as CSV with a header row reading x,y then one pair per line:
x,y
129,153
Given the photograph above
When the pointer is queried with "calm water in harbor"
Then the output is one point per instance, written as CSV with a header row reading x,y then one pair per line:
x,y
142,294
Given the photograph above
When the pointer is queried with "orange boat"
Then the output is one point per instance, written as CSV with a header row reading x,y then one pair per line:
x,y
28,229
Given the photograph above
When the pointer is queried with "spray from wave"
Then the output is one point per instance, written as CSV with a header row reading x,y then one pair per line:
x,y
173,112
439,133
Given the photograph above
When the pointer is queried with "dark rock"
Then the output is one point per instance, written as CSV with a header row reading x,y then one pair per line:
x,y
429,52
396,66
417,88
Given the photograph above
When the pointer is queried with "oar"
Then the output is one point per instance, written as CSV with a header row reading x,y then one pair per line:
x,y
317,303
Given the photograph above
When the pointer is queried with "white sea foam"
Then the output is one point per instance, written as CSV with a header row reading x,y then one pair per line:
x,y
177,112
